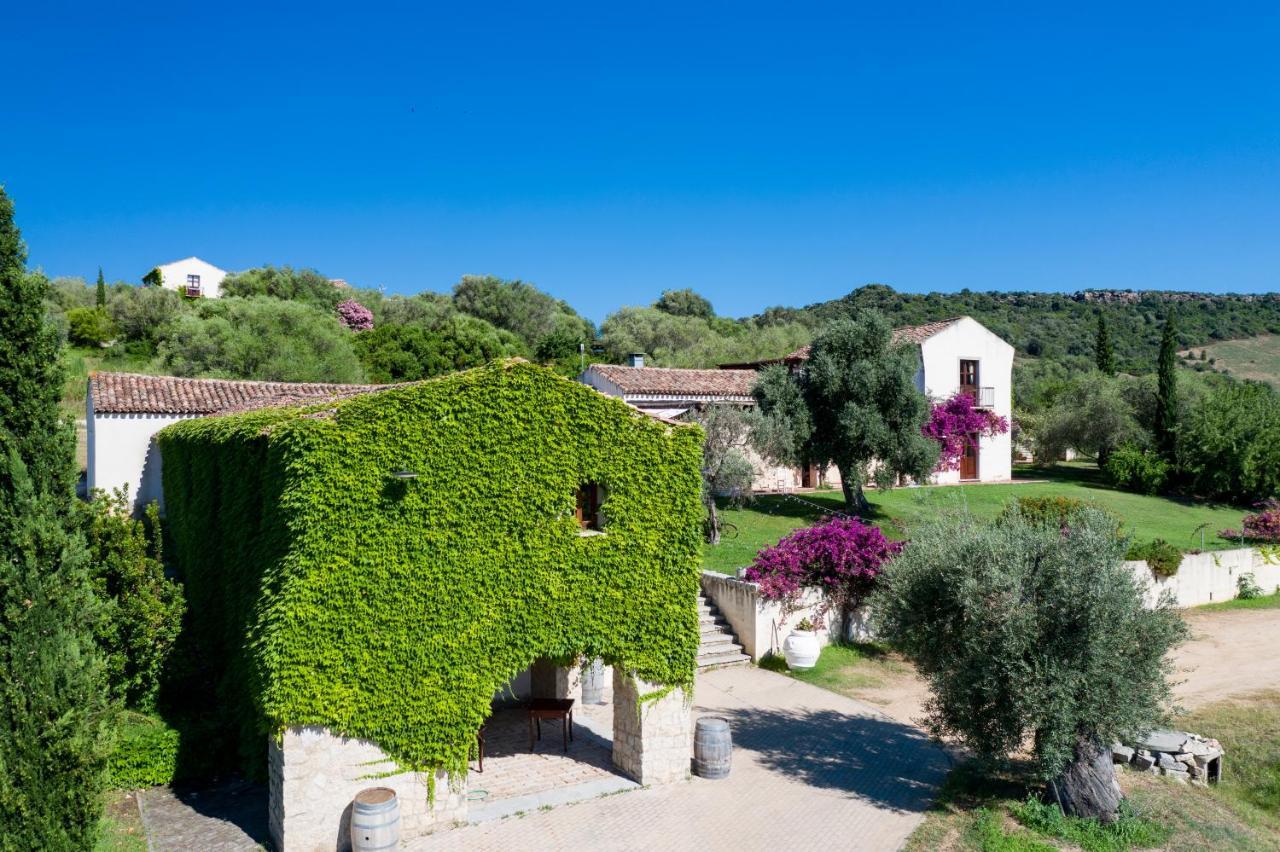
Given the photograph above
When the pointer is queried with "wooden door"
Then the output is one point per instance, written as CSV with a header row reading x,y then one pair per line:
x,y
969,458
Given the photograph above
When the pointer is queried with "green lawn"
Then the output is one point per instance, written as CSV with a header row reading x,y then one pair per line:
x,y
847,668
1264,602
773,516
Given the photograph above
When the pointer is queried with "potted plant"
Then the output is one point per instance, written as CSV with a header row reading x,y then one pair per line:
x,y
801,647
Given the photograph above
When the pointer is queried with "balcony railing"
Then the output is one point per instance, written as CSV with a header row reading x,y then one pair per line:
x,y
982,397
193,291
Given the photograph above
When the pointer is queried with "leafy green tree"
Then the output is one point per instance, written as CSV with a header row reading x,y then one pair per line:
x,y
1090,415
141,313
855,405
1103,354
89,326
260,338
520,308
54,713
154,278
403,353
142,607
285,282
1229,444
1033,635
726,469
1166,419
684,303
686,341
101,295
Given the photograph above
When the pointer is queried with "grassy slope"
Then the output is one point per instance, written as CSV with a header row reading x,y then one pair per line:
x,y
79,363
1251,358
771,517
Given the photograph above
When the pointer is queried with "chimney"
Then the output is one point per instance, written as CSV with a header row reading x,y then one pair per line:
x,y
635,359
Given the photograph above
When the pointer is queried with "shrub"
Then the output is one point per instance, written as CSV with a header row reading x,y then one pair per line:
x,y
1135,469
1161,557
991,616
840,556
354,315
1054,511
1264,525
1247,587
143,607
953,421
1229,444
89,327
146,753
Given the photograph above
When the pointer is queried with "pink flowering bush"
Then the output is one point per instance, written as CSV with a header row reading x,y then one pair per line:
x,y
355,316
841,556
1263,525
953,421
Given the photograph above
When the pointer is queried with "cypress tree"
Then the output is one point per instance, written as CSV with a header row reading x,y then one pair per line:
x,y
1102,348
102,290
54,714
1166,419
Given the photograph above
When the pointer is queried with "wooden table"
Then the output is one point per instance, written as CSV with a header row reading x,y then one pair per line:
x,y
550,708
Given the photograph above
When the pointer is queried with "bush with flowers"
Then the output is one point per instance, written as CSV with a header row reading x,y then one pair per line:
x,y
354,315
953,421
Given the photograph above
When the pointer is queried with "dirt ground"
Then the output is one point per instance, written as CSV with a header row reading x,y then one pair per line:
x,y
1231,652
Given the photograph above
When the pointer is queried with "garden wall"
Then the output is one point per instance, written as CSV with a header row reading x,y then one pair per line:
x,y
1210,577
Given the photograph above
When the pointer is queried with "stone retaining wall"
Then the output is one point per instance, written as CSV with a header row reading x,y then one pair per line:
x,y
1210,577
314,775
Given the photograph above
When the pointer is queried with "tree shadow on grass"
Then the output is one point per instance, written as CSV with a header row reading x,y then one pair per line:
x,y
891,765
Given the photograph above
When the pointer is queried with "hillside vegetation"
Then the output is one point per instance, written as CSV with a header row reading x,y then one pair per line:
x,y
1256,358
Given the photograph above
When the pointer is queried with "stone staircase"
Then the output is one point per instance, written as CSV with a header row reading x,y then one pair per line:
x,y
719,647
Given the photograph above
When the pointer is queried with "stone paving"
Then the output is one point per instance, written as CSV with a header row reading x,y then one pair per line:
x,y
229,818
811,768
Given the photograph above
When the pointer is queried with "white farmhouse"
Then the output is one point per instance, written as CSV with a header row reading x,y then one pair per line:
x,y
125,411
192,277
956,355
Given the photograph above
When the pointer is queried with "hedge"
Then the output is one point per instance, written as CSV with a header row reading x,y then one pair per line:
x,y
327,592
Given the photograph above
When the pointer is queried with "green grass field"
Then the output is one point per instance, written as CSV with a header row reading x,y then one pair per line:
x,y
1146,518
1251,358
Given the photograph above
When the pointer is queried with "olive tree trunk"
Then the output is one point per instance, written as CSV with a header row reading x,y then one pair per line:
x,y
1088,786
713,519
854,500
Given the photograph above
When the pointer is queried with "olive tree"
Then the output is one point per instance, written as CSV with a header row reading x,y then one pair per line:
x,y
1033,635
854,405
726,470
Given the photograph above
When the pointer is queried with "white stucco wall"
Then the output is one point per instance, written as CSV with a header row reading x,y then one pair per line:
x,y
175,276
1210,577
941,354
122,453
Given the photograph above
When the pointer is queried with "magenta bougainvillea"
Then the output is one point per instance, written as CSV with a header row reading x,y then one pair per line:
x,y
954,421
841,556
1262,525
355,316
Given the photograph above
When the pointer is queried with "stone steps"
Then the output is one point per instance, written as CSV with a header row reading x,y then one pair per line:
x,y
718,647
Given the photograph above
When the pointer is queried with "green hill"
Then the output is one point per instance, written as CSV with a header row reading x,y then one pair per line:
x,y
1256,358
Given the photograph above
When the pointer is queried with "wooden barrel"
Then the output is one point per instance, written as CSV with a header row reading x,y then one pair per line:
x,y
375,820
712,747
593,682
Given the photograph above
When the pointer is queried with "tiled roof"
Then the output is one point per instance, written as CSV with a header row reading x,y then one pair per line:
x,y
126,393
662,381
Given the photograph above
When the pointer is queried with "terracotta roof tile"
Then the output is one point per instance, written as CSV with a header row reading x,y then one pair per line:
x,y
663,381
126,393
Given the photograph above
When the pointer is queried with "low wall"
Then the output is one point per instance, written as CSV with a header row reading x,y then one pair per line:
x,y
1202,578
1210,577
759,624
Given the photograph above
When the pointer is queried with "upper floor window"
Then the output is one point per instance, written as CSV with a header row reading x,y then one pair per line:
x,y
968,374
193,280
587,507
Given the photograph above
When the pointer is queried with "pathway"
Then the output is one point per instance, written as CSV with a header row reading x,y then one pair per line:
x,y
811,769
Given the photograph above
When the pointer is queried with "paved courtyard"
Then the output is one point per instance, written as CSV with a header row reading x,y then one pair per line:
x,y
811,768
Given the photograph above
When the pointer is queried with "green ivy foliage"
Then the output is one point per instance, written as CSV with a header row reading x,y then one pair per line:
x,y
332,593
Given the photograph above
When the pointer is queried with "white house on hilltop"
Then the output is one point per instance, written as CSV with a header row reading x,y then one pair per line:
x,y
957,354
192,277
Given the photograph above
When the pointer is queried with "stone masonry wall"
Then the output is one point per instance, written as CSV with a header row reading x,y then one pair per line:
x,y
652,740
314,775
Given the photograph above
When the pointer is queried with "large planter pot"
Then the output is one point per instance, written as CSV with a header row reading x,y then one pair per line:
x,y
801,649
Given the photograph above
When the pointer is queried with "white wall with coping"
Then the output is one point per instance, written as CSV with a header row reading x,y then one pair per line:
x,y
123,453
1210,577
940,357
314,775
760,626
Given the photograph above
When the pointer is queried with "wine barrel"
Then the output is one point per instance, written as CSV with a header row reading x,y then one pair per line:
x,y
712,747
375,820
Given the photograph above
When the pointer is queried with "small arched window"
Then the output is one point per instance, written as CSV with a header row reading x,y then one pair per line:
x,y
587,507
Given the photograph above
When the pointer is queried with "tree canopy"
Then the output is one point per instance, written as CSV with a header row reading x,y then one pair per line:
x,y
520,308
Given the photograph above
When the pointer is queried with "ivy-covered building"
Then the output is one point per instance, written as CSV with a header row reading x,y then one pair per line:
x,y
366,571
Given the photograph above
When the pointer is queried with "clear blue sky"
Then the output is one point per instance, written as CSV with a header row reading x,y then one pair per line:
x,y
766,154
